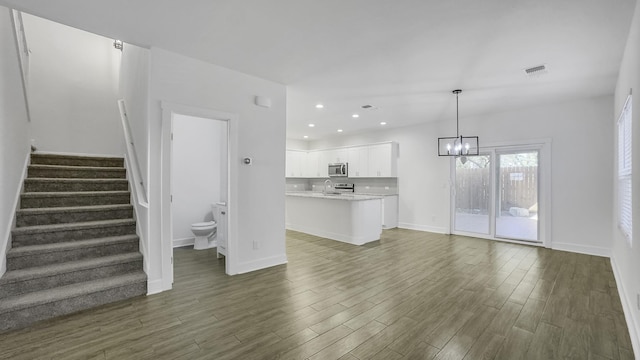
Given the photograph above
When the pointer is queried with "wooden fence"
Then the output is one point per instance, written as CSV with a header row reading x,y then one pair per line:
x,y
518,188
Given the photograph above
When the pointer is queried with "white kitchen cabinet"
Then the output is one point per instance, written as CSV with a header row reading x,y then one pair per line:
x,y
336,156
316,165
322,170
366,161
358,160
294,166
389,211
383,160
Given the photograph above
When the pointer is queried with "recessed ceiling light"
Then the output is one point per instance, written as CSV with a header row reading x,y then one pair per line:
x,y
319,106
306,136
383,123
355,116
339,130
312,125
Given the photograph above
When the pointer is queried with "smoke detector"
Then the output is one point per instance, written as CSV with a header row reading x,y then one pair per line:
x,y
536,70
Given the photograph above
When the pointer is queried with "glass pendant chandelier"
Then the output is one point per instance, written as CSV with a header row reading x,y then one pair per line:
x,y
459,145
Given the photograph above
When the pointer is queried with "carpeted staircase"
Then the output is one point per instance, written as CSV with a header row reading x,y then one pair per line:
x,y
75,244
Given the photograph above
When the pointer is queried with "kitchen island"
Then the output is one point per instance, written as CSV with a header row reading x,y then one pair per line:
x,y
350,218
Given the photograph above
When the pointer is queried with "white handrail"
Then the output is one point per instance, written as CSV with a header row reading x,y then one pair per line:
x,y
139,190
23,54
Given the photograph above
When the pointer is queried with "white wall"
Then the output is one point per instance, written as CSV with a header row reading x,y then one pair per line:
x,y
625,260
199,166
297,144
581,196
14,144
73,88
256,199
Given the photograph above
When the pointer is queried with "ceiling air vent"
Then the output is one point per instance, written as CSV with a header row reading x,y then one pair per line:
x,y
536,70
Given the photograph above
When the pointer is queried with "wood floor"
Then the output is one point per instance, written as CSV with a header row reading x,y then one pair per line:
x,y
412,295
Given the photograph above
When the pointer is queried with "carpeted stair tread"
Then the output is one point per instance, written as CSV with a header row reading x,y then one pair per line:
x,y
66,246
71,226
72,193
32,200
71,209
32,255
80,172
87,180
76,160
69,291
75,184
74,168
67,267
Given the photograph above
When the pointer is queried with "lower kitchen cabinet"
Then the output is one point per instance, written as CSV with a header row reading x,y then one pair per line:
x,y
389,211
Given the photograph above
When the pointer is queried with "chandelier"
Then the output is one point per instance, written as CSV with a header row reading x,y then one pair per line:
x,y
459,145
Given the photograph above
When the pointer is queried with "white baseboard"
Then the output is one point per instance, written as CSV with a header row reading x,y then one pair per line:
x,y
433,229
189,242
5,241
259,264
628,308
183,242
155,287
582,249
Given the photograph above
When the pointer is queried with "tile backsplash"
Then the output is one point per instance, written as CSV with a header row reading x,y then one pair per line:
x,y
362,185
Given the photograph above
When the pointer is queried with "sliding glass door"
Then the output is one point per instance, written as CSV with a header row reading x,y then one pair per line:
x,y
496,195
517,196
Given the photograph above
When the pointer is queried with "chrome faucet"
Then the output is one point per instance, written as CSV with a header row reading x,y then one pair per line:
x,y
330,183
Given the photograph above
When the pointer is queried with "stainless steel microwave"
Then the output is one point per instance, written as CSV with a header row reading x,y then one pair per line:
x,y
338,169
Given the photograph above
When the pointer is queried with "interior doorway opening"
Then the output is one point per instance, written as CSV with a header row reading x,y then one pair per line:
x,y
196,187
199,189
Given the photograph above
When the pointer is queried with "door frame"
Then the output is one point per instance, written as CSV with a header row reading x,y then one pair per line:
x,y
543,146
168,112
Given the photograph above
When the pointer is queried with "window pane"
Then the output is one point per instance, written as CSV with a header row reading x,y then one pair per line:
x,y
517,207
472,195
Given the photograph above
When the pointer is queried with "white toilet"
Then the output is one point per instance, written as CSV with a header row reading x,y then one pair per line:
x,y
204,232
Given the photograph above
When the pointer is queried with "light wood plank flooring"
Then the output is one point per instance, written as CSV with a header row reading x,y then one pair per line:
x,y
412,295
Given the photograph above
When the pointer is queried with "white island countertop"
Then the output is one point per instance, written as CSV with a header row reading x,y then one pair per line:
x,y
341,196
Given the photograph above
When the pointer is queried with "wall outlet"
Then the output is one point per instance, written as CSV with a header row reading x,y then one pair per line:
x,y
256,245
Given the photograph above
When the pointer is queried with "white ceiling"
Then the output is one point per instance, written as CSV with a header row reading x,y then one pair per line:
x,y
403,56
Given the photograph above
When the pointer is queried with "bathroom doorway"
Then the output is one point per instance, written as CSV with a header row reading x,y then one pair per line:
x,y
198,174
196,148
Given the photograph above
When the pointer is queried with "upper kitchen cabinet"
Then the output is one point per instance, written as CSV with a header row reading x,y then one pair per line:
x,y
295,163
365,161
314,167
358,160
334,156
383,160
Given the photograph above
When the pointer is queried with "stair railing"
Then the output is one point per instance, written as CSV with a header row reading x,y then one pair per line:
x,y
23,54
139,190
